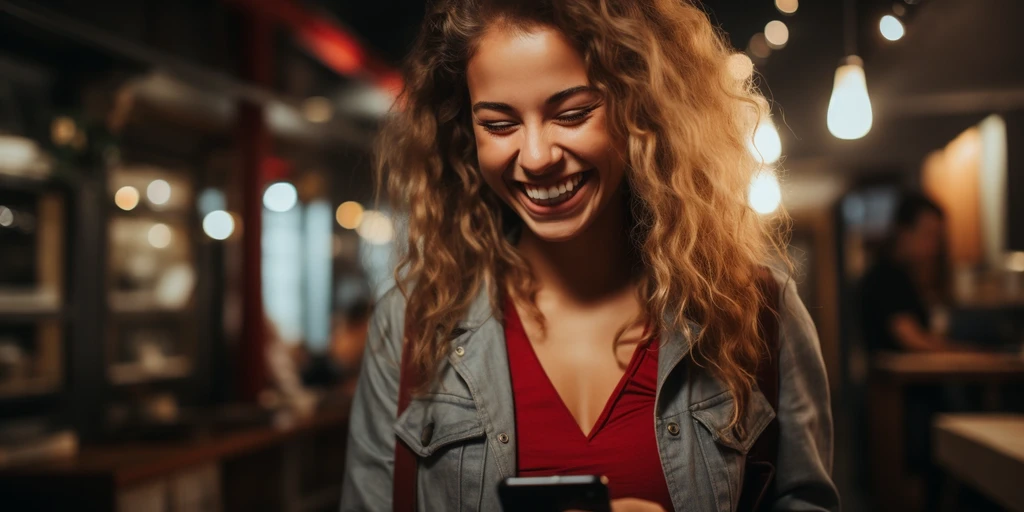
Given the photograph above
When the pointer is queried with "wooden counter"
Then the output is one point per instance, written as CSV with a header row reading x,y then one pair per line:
x,y
986,452
890,374
292,468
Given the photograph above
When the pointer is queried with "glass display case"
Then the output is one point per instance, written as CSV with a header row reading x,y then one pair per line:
x,y
151,274
32,310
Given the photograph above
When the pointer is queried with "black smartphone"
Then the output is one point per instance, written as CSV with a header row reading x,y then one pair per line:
x,y
555,493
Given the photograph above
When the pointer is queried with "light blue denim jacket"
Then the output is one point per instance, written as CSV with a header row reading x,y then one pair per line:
x,y
470,445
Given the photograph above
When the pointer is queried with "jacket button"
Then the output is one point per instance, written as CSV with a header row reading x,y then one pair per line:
x,y
673,428
459,351
427,434
503,437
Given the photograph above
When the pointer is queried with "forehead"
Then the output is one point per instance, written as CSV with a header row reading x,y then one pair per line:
x,y
523,66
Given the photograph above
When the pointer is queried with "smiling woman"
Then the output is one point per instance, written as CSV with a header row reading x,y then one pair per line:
x,y
581,291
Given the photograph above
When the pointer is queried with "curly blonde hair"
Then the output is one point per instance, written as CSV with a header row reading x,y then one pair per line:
x,y
662,68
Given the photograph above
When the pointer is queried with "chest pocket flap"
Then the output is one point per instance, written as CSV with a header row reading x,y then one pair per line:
x,y
434,422
715,414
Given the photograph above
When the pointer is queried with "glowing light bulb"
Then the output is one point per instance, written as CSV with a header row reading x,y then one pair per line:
x,y
849,109
764,194
891,28
766,146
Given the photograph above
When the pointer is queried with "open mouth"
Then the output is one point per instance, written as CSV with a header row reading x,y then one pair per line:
x,y
557,193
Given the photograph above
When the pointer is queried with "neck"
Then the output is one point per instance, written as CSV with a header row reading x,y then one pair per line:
x,y
593,266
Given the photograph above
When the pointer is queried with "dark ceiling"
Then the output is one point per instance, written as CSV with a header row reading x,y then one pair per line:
x,y
962,49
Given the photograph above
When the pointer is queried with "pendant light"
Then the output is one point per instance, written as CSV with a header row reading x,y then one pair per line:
x,y
849,109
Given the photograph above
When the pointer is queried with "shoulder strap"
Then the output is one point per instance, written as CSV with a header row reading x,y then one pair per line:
x,y
403,491
761,459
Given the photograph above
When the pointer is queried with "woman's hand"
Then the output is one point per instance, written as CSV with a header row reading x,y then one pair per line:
x,y
635,505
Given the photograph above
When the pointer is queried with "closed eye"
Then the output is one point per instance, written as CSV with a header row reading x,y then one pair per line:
x,y
497,126
577,116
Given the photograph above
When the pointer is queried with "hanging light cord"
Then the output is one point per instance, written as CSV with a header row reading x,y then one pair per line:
x,y
850,26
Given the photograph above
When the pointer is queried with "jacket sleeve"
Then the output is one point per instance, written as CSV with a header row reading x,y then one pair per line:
x,y
369,461
803,478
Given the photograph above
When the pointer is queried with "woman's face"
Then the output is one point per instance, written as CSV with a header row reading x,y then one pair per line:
x,y
542,139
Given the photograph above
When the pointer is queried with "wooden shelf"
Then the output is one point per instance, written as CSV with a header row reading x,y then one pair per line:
x,y
174,367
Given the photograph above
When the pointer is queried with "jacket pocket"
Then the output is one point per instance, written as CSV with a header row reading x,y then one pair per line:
x,y
724,451
447,435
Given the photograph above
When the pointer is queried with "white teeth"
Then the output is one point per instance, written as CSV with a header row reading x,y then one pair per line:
x,y
542,193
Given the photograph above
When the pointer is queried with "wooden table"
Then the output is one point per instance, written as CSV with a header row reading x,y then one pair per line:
x,y
986,452
295,468
890,374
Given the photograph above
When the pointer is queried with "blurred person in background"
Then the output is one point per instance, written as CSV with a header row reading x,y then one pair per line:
x,y
304,378
904,300
575,175
905,294
336,369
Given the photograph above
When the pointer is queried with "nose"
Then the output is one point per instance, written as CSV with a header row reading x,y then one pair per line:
x,y
538,152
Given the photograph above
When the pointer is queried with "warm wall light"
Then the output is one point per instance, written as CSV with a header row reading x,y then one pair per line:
x,y
766,146
891,28
1015,261
126,198
765,195
849,109
349,214
218,225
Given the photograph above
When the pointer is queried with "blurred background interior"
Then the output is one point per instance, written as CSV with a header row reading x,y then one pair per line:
x,y
190,246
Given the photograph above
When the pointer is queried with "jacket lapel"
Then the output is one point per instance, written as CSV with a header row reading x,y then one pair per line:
x,y
479,356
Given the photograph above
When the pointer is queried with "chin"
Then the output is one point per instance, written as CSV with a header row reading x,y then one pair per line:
x,y
559,231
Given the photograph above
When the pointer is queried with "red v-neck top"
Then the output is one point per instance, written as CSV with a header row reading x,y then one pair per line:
x,y
621,446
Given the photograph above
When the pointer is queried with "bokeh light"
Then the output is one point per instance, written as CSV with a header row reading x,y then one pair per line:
x,y
891,27
376,227
159,236
777,34
349,214
218,225
126,198
280,197
6,217
765,195
158,192
740,67
787,6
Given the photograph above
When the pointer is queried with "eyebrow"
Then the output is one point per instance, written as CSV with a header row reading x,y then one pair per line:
x,y
554,98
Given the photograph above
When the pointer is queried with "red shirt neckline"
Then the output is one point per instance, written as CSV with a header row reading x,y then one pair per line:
x,y
622,445
514,325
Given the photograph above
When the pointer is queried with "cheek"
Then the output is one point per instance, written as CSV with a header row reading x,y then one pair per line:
x,y
491,159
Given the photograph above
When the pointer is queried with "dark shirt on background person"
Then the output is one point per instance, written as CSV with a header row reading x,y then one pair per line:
x,y
886,291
